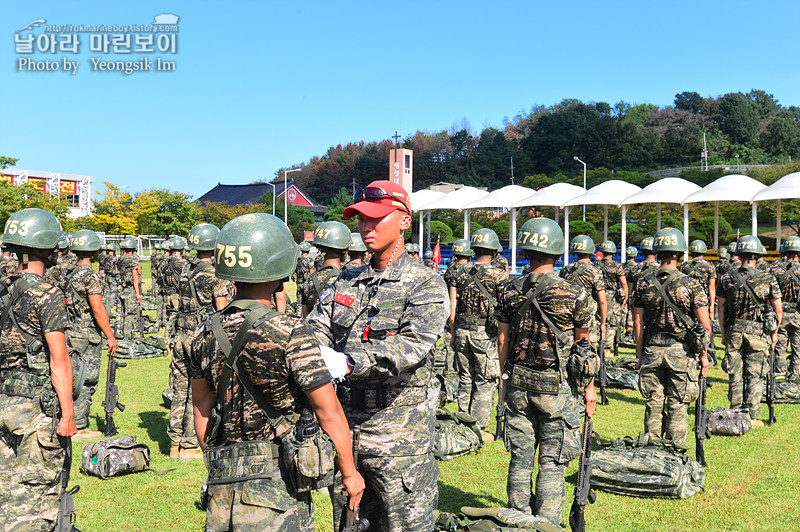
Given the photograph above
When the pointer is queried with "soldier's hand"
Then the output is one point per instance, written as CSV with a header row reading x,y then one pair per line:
x,y
354,485
704,364
453,341
66,426
113,344
774,336
602,331
590,394
139,298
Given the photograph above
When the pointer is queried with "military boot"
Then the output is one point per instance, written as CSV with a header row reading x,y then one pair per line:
x,y
174,452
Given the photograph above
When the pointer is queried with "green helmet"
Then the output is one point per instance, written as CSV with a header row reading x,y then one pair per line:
x,y
669,239
582,245
647,244
256,248
428,254
543,235
416,248
607,247
631,252
203,237
63,242
305,246
732,248
697,247
791,244
462,248
723,253
356,243
32,228
111,246
334,235
486,239
750,244
128,243
85,240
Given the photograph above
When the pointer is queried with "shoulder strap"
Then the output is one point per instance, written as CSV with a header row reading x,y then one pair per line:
x,y
255,311
532,296
475,278
662,291
791,271
18,288
201,266
315,280
743,280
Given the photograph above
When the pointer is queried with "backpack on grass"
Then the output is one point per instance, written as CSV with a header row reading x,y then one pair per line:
x,y
115,457
729,422
456,434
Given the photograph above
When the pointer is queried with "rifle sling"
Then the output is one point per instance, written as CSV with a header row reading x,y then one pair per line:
x,y
531,299
743,280
662,291
475,278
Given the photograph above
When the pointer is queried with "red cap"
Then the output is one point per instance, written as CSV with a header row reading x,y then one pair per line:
x,y
379,209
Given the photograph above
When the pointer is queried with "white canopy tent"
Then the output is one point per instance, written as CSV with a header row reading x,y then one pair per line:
x,y
733,187
667,190
419,200
608,193
458,200
787,187
554,195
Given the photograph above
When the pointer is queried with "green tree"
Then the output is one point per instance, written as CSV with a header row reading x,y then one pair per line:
x,y
705,227
441,231
579,227
14,198
781,137
739,118
5,162
113,213
502,229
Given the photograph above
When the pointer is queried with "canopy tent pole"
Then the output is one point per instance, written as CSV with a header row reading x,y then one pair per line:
x,y
755,219
566,236
556,214
623,256
778,226
686,229
605,222
428,230
421,227
716,225
658,217
466,224
512,237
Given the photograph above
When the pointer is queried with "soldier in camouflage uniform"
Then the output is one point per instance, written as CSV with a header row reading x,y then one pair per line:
x,y
649,264
8,262
629,268
36,409
332,239
616,290
428,262
281,359
743,327
201,293
88,318
413,251
171,276
65,254
355,252
473,298
705,273
156,257
787,273
130,295
584,274
383,320
668,366
500,262
544,392
305,265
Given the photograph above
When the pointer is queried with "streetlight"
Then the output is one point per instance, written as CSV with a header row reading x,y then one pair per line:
x,y
575,158
286,196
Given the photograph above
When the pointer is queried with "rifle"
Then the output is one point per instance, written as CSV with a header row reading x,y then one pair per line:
x,y
141,321
602,375
701,421
500,430
771,388
349,521
583,485
111,401
65,521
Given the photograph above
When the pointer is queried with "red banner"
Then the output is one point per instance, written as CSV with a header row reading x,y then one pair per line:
x,y
68,188
38,183
7,178
437,254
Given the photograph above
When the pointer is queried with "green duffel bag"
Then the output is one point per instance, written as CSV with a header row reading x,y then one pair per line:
x,y
456,434
622,373
786,392
647,467
492,520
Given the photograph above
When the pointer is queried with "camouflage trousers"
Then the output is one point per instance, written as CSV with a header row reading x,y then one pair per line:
x,y
551,423
31,463
789,331
668,373
172,303
401,495
613,319
478,370
128,315
746,363
260,505
181,414
91,355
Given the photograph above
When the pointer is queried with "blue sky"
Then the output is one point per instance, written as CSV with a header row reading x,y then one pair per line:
x,y
264,85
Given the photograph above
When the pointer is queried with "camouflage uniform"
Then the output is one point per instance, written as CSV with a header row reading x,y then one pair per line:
x,y
68,258
303,270
702,271
430,264
746,344
171,275
31,456
499,261
281,357
8,265
198,288
319,281
319,260
84,334
667,370
789,330
612,271
127,315
350,265
629,268
155,260
587,276
548,421
388,323
476,351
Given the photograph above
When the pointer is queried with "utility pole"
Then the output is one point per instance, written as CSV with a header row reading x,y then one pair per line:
x,y
705,150
354,185
512,170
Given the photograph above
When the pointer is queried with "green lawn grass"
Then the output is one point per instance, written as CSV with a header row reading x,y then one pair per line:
x,y
752,482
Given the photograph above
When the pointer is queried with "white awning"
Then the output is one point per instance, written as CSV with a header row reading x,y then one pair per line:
x,y
554,195
458,199
734,187
421,198
667,190
502,197
609,193
787,187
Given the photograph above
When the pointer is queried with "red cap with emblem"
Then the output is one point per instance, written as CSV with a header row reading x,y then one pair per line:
x,y
379,199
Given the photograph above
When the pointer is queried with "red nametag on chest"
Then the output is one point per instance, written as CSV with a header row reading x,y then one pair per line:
x,y
347,301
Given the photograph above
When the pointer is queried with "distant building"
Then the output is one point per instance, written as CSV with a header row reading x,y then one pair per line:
x,y
76,189
243,194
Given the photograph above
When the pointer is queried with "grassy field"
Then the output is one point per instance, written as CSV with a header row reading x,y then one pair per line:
x,y
752,482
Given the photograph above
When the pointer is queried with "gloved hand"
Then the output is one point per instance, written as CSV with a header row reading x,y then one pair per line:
x,y
336,362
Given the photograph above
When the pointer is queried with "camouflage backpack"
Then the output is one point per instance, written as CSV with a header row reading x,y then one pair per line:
x,y
492,520
787,391
149,347
456,434
647,467
114,457
621,373
728,422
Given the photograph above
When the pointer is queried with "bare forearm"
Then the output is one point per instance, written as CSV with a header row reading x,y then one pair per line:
x,y
203,402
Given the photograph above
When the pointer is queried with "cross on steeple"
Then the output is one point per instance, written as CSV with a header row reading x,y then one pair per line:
x,y
396,137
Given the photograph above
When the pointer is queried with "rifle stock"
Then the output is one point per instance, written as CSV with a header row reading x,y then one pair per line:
x,y
583,487
350,521
500,429
111,400
701,421
771,388
65,521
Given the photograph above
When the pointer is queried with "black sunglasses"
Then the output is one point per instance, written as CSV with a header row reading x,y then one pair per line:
x,y
376,194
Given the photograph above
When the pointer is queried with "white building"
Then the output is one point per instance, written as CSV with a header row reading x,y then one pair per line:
x,y
77,189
